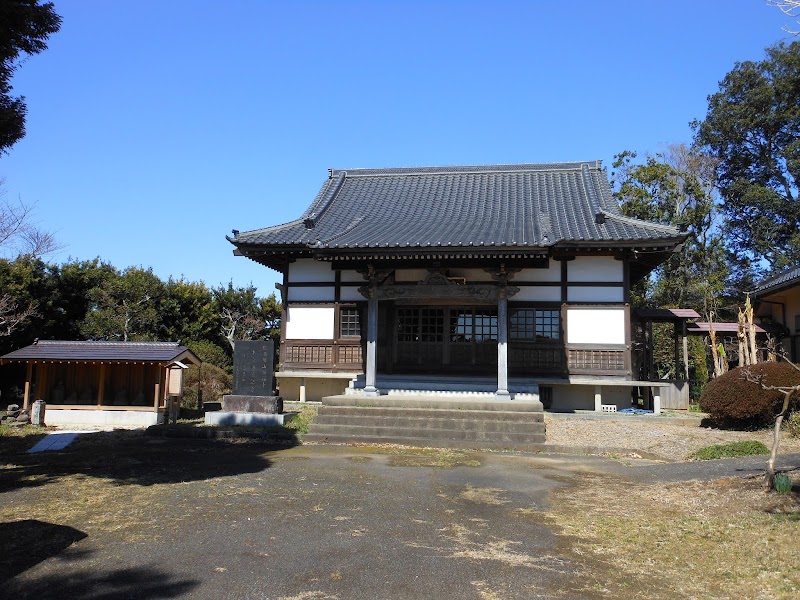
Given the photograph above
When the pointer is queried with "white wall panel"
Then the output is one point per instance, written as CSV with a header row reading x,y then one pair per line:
x,y
550,293
309,322
311,294
595,325
595,268
308,269
551,273
595,294
350,294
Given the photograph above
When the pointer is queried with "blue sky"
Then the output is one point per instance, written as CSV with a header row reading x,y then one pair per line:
x,y
157,126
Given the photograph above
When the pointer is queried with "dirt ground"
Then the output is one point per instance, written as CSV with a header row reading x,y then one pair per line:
x,y
128,515
651,435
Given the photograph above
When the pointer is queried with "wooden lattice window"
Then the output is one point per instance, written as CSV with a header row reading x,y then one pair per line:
x,y
531,324
349,322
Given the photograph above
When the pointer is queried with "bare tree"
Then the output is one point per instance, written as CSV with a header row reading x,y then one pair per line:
x,y
237,325
12,315
789,393
790,8
19,234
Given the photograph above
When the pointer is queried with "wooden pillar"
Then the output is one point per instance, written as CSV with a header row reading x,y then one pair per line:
x,y
598,398
41,383
102,385
157,390
372,344
685,350
26,399
502,346
675,339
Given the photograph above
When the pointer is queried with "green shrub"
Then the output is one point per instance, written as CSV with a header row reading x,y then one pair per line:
x,y
734,401
792,424
730,450
782,484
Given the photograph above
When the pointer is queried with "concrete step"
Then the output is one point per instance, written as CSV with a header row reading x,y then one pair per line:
x,y
430,413
461,424
428,402
472,436
534,444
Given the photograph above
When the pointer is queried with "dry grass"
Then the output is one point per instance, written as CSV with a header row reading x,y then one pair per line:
x,y
672,442
723,539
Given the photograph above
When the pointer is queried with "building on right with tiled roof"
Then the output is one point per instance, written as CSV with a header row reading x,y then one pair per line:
x,y
778,303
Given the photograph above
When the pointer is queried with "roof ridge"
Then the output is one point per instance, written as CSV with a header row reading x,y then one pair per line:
x,y
632,221
103,342
463,169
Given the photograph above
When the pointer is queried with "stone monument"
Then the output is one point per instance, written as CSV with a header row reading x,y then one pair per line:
x,y
252,401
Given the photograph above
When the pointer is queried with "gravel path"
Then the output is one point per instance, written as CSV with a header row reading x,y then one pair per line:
x,y
670,441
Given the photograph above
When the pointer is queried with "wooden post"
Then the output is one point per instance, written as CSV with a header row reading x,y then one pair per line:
x,y
372,344
26,399
157,394
102,385
502,346
675,338
685,351
598,398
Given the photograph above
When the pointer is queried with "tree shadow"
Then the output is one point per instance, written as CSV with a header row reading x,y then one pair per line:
x,y
134,457
26,543
116,584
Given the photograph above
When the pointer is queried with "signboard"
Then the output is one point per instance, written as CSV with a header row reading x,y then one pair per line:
x,y
252,367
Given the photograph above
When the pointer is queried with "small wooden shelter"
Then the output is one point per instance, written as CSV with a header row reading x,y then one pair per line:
x,y
126,383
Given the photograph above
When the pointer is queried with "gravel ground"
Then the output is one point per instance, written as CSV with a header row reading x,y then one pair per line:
x,y
666,440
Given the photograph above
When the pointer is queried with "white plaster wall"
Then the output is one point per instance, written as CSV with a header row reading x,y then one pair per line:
x,y
595,325
581,397
537,294
308,269
122,418
595,268
309,322
351,294
311,294
316,388
595,294
551,273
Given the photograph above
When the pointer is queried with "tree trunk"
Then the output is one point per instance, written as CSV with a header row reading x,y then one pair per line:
x,y
769,476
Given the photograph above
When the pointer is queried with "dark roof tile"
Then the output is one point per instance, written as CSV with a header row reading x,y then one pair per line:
x,y
530,205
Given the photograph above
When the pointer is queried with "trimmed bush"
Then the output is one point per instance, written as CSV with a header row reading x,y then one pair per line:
x,y
734,401
730,450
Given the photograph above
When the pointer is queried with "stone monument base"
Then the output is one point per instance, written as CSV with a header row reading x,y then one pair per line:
x,y
254,404
258,411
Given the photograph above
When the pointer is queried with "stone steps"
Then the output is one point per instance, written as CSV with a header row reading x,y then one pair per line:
x,y
425,421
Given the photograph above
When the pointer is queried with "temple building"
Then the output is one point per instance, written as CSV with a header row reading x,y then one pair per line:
x,y
509,280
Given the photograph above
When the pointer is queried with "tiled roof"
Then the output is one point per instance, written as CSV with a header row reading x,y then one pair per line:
x,y
778,282
509,206
722,328
102,351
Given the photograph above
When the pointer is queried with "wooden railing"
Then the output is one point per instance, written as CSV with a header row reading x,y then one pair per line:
x,y
598,360
321,355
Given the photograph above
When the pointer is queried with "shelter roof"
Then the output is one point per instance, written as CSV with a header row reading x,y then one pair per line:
x,y
702,327
71,351
524,206
667,314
